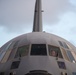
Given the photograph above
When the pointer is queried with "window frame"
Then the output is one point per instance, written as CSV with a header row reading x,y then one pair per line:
x,y
6,52
70,56
39,54
64,53
63,44
17,54
59,50
60,65
74,73
15,65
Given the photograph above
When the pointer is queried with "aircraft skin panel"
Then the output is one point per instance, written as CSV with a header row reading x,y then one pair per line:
x,y
47,63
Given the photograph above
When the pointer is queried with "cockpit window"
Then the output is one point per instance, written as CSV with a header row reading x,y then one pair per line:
x,y
54,51
74,73
70,56
61,65
65,54
74,55
22,51
38,49
63,44
15,64
5,52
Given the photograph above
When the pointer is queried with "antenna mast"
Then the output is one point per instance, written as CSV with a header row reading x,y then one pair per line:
x,y
37,26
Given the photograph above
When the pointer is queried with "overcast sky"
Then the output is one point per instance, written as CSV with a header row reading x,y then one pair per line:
x,y
16,18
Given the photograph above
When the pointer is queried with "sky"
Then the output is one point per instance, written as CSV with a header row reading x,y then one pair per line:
x,y
16,18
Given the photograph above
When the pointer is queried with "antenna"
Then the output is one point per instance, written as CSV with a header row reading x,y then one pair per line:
x,y
37,26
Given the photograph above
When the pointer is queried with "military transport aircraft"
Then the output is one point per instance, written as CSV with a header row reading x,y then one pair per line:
x,y
38,52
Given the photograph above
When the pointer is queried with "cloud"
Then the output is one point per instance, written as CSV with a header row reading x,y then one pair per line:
x,y
17,15
55,8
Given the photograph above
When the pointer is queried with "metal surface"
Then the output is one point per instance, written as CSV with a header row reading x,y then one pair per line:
x,y
37,27
36,64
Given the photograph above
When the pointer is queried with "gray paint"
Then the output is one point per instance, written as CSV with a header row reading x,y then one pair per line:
x,y
29,63
37,27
